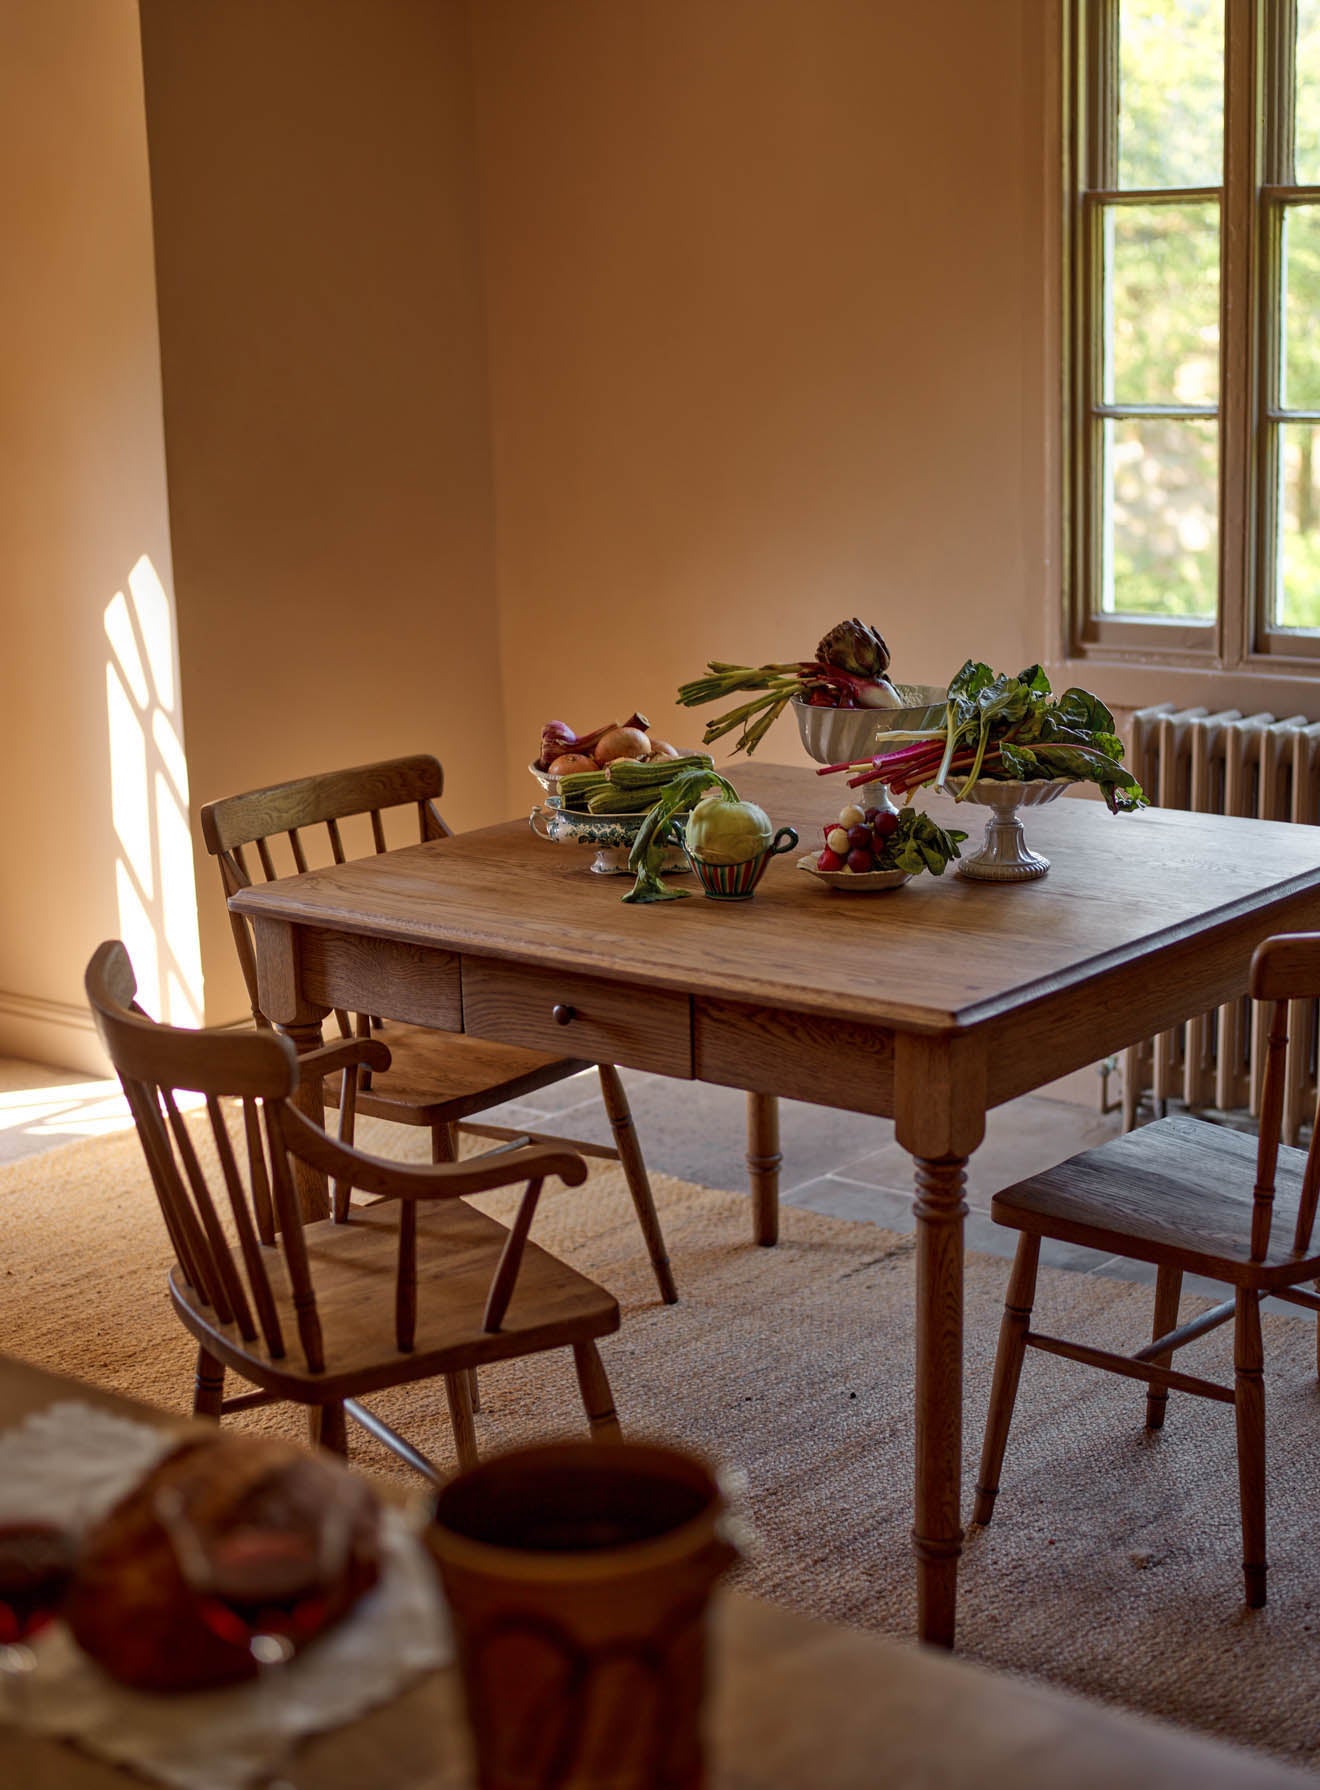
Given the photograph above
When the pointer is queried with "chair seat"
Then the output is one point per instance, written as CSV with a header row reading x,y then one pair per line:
x,y
441,1077
353,1270
1179,1192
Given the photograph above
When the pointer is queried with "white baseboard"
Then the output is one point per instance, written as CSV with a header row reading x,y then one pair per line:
x,y
55,1032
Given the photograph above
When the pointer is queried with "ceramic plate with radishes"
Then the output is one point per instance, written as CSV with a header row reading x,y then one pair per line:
x,y
874,848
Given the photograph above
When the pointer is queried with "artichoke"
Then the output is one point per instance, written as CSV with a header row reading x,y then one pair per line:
x,y
855,648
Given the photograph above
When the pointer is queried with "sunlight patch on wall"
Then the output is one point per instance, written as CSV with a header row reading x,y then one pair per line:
x,y
154,880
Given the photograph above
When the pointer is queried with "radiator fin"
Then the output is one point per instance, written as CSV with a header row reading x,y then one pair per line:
x,y
1226,763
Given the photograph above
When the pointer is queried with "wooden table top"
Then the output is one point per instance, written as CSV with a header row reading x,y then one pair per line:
x,y
940,954
798,1705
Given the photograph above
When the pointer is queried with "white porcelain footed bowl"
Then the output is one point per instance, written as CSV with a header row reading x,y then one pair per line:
x,y
1004,856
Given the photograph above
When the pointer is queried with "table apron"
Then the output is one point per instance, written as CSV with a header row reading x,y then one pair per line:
x,y
767,1050
408,983
1064,1030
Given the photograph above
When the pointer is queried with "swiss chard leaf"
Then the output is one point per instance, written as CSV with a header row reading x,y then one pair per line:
x,y
1121,790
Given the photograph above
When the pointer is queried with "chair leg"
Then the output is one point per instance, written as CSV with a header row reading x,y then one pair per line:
x,y
639,1184
328,1428
444,1148
1008,1369
460,1416
1249,1406
1168,1292
597,1399
764,1161
208,1386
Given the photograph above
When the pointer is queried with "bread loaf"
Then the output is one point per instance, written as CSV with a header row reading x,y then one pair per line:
x,y
132,1607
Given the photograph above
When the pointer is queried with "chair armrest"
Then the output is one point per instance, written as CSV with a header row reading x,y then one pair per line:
x,y
444,1180
346,1053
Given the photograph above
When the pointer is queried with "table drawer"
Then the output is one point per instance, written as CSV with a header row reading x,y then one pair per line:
x,y
829,1062
640,1028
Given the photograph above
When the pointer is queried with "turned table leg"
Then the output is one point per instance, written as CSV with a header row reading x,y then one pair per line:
x,y
937,1533
939,1116
763,1164
309,1183
298,1020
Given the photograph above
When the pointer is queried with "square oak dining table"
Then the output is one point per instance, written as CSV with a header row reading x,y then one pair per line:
x,y
929,1005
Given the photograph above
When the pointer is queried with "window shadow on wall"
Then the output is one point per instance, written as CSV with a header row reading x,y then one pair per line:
x,y
155,884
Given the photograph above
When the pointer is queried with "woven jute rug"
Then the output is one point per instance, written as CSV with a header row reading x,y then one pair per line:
x,y
1112,1566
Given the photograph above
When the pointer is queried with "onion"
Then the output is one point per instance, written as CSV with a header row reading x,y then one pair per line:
x,y
567,762
662,749
621,742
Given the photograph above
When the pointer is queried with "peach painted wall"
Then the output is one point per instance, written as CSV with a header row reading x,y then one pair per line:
x,y
765,301
82,497
323,351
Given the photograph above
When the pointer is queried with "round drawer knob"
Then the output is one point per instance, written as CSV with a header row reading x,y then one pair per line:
x,y
563,1015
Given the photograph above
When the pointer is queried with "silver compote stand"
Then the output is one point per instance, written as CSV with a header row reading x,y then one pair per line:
x,y
1004,856
833,736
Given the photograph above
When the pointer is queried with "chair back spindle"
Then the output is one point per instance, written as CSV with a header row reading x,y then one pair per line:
x,y
260,816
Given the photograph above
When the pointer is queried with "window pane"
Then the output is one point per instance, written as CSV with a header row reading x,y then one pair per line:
x,y
1306,112
1171,93
1297,599
1300,371
1162,304
1161,517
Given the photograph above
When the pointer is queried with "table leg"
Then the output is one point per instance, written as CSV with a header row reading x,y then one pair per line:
x,y
763,1164
937,1533
939,1116
299,1020
309,1183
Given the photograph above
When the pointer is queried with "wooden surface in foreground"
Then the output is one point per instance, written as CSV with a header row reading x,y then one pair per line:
x,y
798,1705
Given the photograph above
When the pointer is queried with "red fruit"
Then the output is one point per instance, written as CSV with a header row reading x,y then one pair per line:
x,y
829,860
859,838
860,861
885,823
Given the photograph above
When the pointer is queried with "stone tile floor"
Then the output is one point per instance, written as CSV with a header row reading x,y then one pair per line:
x,y
842,1164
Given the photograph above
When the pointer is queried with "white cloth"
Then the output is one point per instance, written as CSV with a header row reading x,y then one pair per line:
x,y
68,1464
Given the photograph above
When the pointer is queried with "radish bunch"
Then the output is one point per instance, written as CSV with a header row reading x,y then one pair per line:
x,y
858,840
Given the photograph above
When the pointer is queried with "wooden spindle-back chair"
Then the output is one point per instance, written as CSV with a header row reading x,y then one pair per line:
x,y
416,1284
437,1079
1190,1197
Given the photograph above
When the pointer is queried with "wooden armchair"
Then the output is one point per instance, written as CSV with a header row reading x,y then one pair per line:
x,y
415,1284
1191,1197
438,1080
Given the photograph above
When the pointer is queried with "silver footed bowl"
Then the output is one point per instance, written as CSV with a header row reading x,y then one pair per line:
x,y
833,735
1005,856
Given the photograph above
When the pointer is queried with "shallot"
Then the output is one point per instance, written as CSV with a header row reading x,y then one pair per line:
x,y
557,738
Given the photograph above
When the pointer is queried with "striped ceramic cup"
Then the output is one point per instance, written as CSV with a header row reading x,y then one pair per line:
x,y
735,882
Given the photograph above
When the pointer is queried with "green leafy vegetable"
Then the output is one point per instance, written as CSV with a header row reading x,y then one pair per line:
x,y
918,844
653,835
1007,728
